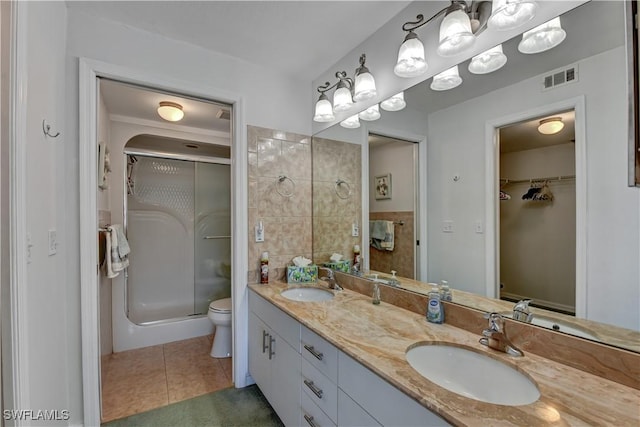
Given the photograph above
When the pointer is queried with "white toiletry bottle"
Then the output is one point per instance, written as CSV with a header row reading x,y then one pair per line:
x,y
435,309
445,292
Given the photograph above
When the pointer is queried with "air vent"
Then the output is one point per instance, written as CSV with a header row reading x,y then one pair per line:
x,y
560,77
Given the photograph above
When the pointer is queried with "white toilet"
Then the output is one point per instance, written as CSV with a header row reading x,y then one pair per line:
x,y
220,316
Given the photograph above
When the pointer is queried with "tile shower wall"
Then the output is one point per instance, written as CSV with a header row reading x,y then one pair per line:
x,y
284,207
402,258
335,207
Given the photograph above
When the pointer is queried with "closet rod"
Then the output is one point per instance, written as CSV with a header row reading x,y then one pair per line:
x,y
549,178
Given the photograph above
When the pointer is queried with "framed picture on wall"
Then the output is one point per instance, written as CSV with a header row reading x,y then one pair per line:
x,y
382,186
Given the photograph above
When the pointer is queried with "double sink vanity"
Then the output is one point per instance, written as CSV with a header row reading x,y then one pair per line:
x,y
331,357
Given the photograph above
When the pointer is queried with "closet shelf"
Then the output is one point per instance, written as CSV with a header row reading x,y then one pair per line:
x,y
530,180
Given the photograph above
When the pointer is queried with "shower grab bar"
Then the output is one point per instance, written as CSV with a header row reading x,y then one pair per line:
x,y
216,237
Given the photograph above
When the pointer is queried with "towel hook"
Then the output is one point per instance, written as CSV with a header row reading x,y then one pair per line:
x,y
47,129
336,187
279,181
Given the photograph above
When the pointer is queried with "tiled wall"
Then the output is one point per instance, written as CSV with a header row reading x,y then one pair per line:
x,y
335,207
286,219
402,258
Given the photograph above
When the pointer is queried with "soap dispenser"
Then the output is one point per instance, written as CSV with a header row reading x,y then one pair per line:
x,y
376,293
393,281
445,292
435,308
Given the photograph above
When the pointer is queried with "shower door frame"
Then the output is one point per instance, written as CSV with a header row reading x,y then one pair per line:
x,y
89,72
141,152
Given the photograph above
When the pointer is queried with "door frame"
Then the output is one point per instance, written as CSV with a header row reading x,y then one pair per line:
x,y
492,162
89,72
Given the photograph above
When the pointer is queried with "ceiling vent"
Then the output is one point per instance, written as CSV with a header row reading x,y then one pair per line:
x,y
560,77
224,114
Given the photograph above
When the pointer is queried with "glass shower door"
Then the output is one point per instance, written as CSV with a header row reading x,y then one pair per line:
x,y
212,243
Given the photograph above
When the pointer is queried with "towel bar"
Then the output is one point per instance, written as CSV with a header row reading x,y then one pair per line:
x,y
216,237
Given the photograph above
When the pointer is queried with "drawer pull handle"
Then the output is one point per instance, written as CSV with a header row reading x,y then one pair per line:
x,y
309,420
313,388
272,352
313,351
264,345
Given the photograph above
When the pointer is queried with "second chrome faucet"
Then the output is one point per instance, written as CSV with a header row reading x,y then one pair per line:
x,y
495,336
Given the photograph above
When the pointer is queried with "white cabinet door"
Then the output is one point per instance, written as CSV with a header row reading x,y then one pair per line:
x,y
351,414
259,365
285,381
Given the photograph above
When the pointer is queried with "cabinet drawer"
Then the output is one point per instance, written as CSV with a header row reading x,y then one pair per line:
x,y
351,414
284,325
320,389
320,353
384,402
311,415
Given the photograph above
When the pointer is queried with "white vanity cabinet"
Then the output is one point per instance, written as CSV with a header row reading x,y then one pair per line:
x,y
274,358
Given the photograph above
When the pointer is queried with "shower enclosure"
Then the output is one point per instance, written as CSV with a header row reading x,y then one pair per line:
x,y
177,216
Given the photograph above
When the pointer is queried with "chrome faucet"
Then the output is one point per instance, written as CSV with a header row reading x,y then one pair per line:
x,y
330,279
521,311
495,336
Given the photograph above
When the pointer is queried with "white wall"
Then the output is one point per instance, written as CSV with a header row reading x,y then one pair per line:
x,y
613,208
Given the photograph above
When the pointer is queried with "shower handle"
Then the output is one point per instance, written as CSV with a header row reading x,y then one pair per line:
x,y
264,346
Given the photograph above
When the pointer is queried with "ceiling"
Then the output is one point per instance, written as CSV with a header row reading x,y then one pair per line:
x,y
525,135
298,38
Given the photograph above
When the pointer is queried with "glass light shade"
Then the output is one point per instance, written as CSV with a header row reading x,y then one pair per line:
x,y
324,112
551,125
488,61
395,103
365,87
352,122
411,61
370,114
447,79
543,37
510,14
342,100
170,111
455,34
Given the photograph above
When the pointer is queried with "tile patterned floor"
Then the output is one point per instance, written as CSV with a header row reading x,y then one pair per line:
x,y
139,380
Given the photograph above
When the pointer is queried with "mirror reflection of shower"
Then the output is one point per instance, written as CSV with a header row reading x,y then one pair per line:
x,y
178,220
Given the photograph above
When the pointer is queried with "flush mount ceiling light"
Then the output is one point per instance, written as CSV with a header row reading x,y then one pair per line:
x,y
352,122
447,79
347,91
543,37
395,103
551,125
510,14
488,61
170,111
370,114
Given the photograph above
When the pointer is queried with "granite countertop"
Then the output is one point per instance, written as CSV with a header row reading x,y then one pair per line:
x,y
379,335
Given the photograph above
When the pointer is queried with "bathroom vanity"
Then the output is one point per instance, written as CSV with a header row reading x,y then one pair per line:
x,y
342,361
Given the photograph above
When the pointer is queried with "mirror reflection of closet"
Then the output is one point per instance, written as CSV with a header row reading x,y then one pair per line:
x,y
393,162
538,213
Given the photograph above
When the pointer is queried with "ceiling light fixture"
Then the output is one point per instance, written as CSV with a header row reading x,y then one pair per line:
x,y
488,61
551,125
510,14
395,103
447,79
370,114
543,37
170,111
352,122
347,92
455,31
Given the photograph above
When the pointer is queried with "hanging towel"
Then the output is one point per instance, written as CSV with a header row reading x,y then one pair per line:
x,y
117,251
381,235
389,236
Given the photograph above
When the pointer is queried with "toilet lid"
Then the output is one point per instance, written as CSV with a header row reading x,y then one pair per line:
x,y
223,305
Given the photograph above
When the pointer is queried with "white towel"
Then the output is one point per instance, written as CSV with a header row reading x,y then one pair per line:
x,y
117,249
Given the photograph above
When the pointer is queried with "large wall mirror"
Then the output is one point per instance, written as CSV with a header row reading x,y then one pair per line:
x,y
459,165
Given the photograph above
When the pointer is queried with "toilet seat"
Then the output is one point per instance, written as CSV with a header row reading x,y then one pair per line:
x,y
221,306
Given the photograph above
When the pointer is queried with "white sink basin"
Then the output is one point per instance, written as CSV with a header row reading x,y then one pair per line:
x,y
307,294
556,325
472,374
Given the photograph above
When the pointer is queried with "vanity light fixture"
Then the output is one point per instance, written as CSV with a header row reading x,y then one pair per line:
x,y
411,61
488,61
347,91
447,79
455,31
352,122
370,114
510,14
395,103
170,111
551,125
543,37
